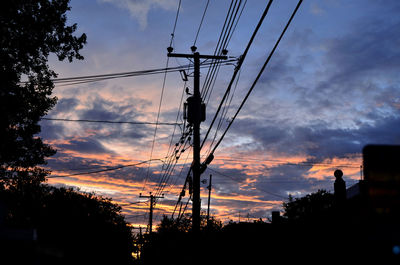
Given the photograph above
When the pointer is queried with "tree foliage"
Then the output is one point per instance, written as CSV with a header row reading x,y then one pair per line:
x,y
184,224
309,208
30,31
70,225
174,237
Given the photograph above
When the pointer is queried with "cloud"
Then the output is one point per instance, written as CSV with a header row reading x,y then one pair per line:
x,y
316,9
319,140
139,9
85,146
323,97
65,105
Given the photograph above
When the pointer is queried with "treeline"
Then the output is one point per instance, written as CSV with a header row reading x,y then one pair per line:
x,y
42,224
314,229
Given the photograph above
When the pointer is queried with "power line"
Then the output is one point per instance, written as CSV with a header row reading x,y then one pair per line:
x,y
176,20
161,96
74,80
216,51
225,42
236,71
258,188
112,122
237,21
105,170
130,203
258,76
222,44
201,23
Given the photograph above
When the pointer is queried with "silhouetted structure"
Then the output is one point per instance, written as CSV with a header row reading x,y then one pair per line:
x,y
339,187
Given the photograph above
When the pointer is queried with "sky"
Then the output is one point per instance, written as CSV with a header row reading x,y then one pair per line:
x,y
330,88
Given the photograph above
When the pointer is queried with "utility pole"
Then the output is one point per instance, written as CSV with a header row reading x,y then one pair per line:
x,y
152,199
209,198
195,117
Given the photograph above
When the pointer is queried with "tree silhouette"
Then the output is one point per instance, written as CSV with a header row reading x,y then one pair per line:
x,y
71,226
184,224
174,237
30,31
310,208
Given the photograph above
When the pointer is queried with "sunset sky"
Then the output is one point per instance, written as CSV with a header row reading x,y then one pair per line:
x,y
331,87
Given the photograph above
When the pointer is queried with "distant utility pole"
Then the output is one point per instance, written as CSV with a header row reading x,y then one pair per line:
x,y
209,198
196,114
152,199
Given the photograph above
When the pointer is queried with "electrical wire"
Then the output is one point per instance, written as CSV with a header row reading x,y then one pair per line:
x,y
258,188
258,76
112,122
221,45
217,50
176,20
207,90
201,23
223,114
156,127
237,69
75,80
104,170
162,91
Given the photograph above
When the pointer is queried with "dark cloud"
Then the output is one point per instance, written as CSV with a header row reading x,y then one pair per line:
x,y
65,105
371,45
85,145
51,130
65,162
319,140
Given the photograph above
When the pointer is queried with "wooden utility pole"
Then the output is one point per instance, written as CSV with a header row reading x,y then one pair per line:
x,y
195,118
152,199
209,198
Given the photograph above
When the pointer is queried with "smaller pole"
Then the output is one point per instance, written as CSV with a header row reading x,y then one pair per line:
x,y
140,242
152,199
209,198
151,213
